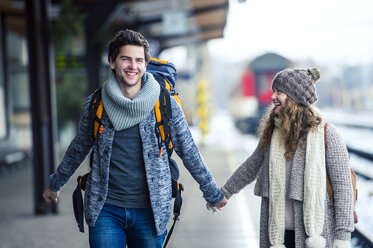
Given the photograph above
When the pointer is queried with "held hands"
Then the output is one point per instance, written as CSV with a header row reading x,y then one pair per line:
x,y
50,196
221,204
218,206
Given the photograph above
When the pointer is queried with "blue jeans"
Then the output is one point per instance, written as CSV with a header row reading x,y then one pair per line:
x,y
115,227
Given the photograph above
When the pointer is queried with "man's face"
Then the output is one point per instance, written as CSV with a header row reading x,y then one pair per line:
x,y
129,65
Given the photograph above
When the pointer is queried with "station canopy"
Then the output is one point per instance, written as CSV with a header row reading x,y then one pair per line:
x,y
170,22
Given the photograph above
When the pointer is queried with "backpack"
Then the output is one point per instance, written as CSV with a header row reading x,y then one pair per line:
x,y
165,74
353,180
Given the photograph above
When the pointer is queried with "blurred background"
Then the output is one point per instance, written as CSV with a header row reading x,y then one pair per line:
x,y
53,54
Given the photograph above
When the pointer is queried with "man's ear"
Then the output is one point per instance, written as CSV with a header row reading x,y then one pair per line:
x,y
112,65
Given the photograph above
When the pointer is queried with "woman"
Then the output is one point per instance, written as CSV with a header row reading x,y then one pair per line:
x,y
289,167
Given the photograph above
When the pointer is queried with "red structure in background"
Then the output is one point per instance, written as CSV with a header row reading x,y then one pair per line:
x,y
255,85
247,85
250,87
264,96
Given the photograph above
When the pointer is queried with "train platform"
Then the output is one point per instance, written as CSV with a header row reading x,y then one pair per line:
x,y
235,226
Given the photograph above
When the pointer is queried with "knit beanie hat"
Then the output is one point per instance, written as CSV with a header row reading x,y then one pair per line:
x,y
298,84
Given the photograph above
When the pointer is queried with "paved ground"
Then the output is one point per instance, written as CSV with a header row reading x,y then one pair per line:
x,y
236,226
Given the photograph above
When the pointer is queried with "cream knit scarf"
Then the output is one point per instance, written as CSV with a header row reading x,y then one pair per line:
x,y
124,112
314,189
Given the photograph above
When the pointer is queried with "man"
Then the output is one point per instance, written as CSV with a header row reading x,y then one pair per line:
x,y
130,203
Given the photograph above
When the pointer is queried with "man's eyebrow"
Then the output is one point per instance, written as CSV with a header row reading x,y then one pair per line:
x,y
128,57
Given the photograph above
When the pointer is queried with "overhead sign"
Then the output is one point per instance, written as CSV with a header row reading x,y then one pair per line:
x,y
174,23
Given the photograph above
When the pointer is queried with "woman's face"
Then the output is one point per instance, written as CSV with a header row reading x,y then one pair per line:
x,y
278,99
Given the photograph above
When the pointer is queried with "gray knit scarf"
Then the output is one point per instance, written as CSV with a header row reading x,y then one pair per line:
x,y
124,112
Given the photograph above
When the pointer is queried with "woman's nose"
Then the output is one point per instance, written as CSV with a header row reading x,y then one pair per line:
x,y
274,95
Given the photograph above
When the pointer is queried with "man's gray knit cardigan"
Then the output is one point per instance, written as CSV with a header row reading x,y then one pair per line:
x,y
157,168
338,222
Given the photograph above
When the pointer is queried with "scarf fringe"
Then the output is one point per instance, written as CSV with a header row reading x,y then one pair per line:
x,y
315,242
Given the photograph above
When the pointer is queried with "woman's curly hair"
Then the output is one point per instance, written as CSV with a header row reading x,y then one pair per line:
x,y
296,121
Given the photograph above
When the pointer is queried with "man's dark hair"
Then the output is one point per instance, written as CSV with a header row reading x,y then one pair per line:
x,y
127,37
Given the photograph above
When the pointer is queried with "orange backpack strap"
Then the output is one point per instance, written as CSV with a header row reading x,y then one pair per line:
x,y
98,128
95,114
163,114
159,124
